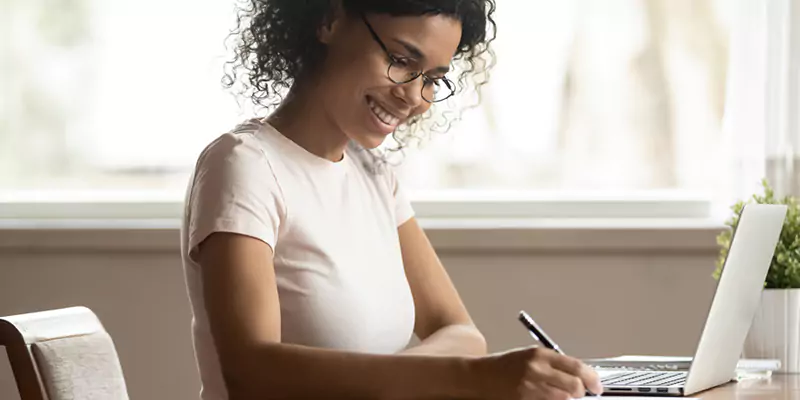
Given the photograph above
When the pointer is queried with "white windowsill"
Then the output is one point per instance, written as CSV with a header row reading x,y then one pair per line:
x,y
454,222
450,204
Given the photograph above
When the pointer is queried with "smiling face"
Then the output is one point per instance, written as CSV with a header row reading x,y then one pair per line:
x,y
355,89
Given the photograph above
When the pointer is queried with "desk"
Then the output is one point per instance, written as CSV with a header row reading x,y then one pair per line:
x,y
778,387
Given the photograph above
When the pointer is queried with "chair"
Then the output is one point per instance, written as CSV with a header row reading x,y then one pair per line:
x,y
62,354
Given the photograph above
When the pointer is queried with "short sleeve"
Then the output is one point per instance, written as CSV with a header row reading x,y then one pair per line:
x,y
234,190
403,210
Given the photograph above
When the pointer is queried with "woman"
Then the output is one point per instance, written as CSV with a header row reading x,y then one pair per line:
x,y
306,270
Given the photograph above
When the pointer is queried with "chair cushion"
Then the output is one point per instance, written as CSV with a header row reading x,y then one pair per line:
x,y
81,367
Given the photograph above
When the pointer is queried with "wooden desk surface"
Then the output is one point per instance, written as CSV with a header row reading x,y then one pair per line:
x,y
779,386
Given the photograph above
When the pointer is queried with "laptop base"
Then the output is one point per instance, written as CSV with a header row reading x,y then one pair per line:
x,y
642,383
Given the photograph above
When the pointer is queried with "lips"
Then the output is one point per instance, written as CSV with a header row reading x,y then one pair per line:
x,y
384,115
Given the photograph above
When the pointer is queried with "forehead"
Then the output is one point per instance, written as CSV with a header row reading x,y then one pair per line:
x,y
436,36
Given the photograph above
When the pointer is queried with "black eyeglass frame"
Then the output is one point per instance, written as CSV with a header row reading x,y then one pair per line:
x,y
393,60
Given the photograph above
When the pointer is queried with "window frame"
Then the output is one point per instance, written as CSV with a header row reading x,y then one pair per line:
x,y
448,205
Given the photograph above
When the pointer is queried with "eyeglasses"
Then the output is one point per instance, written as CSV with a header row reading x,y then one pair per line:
x,y
405,69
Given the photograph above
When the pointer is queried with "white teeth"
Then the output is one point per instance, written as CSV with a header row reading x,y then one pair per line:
x,y
383,115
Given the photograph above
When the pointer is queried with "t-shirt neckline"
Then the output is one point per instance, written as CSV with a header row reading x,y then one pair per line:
x,y
289,145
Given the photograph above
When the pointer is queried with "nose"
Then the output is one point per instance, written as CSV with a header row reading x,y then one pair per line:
x,y
410,92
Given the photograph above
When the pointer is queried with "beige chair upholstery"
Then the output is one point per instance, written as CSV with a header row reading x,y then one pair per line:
x,y
62,354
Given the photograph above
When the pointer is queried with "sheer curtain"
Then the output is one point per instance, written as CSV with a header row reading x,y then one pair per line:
x,y
783,96
762,97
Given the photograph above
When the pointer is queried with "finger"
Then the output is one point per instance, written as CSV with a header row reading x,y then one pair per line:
x,y
545,373
576,367
591,380
547,392
570,365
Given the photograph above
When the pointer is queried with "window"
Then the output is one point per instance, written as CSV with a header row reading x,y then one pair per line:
x,y
587,98
600,96
111,94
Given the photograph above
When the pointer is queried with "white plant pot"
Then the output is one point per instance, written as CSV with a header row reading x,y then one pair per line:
x,y
775,332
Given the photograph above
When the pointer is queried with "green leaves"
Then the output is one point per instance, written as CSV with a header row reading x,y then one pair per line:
x,y
784,272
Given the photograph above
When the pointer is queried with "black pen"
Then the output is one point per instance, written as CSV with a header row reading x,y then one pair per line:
x,y
541,337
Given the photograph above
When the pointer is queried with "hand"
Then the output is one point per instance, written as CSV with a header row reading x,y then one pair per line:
x,y
534,373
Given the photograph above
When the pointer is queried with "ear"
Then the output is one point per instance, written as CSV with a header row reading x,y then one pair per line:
x,y
331,23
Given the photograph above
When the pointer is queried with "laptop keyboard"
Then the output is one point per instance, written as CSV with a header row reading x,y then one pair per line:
x,y
640,378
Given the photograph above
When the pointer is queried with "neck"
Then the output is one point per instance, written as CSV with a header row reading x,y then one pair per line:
x,y
302,118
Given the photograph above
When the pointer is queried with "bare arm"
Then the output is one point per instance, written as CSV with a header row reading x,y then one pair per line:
x,y
442,321
243,309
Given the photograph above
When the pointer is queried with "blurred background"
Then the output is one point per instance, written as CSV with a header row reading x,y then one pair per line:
x,y
612,138
618,96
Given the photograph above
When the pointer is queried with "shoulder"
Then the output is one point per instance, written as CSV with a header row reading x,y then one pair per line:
x,y
369,162
234,148
234,190
380,169
235,166
376,166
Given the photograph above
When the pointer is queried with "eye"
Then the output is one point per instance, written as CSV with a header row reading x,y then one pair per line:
x,y
437,82
407,62
401,61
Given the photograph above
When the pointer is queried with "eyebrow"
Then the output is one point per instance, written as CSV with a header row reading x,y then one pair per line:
x,y
417,54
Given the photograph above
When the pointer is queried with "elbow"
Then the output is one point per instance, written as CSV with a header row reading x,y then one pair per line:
x,y
476,341
245,388
481,347
471,338
247,377
243,381
238,385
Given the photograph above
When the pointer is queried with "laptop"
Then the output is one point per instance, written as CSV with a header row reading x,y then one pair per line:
x,y
733,308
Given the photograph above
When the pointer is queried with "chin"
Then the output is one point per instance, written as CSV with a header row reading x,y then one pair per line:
x,y
370,141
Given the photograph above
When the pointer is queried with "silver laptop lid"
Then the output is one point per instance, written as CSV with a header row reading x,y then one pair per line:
x,y
737,296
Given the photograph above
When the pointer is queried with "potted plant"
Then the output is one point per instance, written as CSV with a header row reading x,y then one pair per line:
x,y
775,332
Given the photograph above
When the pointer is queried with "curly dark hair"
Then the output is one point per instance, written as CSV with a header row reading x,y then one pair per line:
x,y
276,43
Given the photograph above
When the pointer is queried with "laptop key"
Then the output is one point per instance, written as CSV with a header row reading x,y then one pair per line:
x,y
633,378
616,376
677,381
647,379
657,380
621,379
642,381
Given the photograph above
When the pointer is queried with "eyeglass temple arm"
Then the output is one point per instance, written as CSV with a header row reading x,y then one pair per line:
x,y
375,36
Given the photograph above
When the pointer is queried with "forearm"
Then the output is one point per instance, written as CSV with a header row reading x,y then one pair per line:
x,y
286,371
452,340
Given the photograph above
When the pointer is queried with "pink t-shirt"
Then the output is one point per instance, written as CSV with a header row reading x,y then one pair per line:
x,y
333,230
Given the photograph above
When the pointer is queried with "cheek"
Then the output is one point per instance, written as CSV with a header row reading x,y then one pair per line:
x,y
422,109
353,64
350,79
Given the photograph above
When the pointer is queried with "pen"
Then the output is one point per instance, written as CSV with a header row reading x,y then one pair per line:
x,y
539,334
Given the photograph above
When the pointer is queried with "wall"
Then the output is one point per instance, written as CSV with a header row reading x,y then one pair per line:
x,y
598,291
